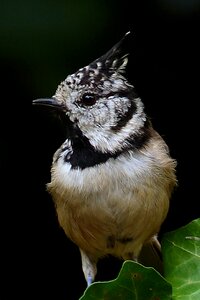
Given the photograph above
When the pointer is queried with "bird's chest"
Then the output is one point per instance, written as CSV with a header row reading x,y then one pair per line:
x,y
102,204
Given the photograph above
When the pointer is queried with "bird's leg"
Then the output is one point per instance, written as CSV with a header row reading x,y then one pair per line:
x,y
156,243
151,255
88,266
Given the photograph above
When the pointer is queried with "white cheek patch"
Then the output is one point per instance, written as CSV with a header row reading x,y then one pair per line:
x,y
104,139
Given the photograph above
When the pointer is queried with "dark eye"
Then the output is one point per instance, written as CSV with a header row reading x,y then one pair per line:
x,y
88,99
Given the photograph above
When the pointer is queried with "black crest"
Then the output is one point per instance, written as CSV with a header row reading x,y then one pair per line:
x,y
115,60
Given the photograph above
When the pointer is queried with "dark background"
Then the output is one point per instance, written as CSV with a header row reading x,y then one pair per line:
x,y
41,43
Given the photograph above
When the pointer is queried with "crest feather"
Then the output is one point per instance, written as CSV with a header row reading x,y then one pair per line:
x,y
116,59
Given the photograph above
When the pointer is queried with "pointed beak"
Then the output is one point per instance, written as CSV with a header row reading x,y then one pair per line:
x,y
49,102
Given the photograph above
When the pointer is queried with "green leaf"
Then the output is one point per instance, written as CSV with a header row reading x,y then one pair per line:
x,y
133,282
181,258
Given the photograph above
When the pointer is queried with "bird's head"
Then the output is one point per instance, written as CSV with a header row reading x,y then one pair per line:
x,y
100,102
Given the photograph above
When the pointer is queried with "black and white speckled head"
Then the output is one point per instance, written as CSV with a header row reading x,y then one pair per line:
x,y
101,102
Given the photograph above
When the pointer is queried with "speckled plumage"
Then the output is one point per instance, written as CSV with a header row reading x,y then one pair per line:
x,y
112,178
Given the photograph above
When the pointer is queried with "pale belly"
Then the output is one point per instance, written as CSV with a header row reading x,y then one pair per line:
x,y
107,210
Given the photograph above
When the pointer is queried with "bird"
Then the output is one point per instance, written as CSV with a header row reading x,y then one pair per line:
x,y
113,176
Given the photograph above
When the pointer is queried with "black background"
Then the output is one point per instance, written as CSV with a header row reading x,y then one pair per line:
x,y
41,43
